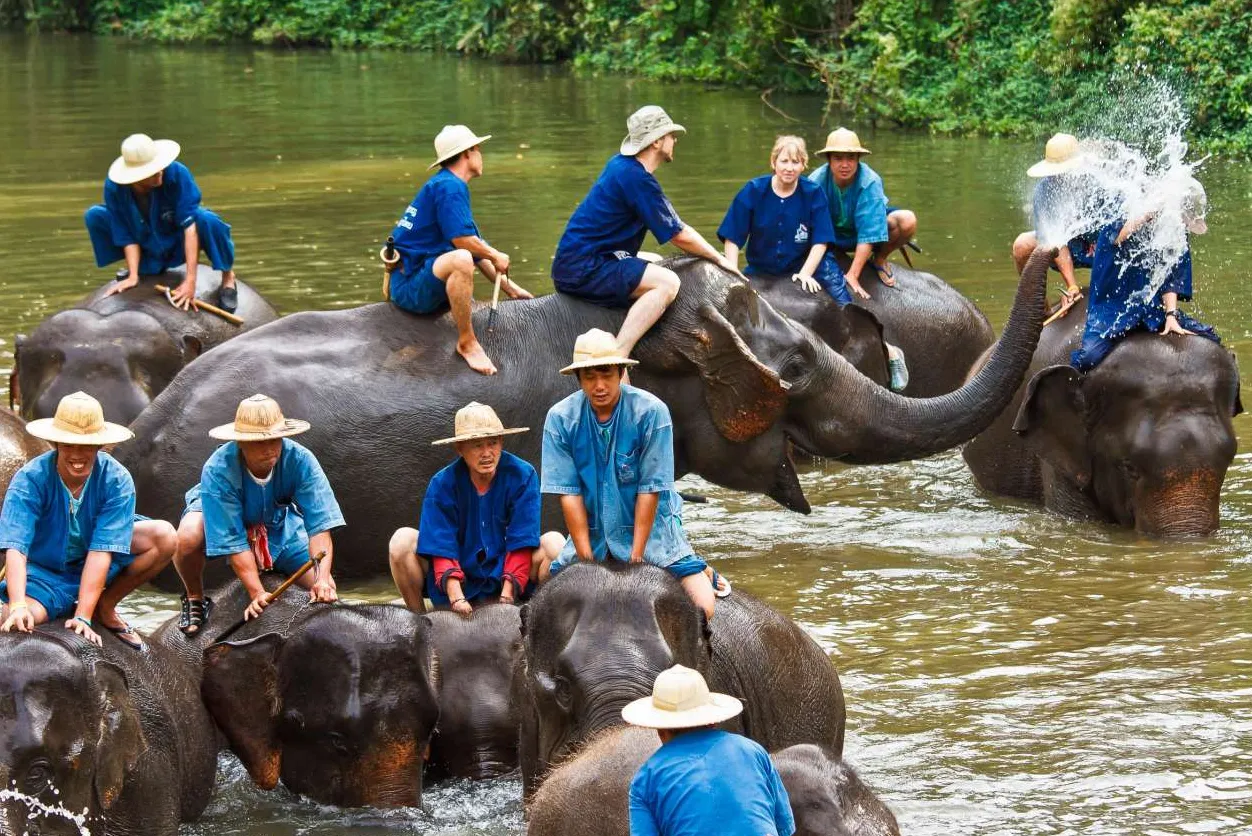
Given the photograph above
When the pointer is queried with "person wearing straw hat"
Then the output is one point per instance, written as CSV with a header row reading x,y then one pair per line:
x,y
865,222
74,545
439,244
702,780
264,503
479,529
598,257
152,219
608,453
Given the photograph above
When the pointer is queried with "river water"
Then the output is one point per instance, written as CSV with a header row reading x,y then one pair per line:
x,y
1007,671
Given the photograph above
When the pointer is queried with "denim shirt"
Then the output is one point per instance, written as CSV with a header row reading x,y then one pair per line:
x,y
858,212
36,516
778,231
637,457
172,208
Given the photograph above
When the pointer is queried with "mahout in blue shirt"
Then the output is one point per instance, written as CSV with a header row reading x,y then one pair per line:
x,y
857,212
439,213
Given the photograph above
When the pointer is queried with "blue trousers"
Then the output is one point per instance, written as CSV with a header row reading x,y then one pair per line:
x,y
214,234
1096,347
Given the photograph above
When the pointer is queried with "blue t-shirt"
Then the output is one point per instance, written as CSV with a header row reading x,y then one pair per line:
x,y
171,209
624,204
439,213
779,231
858,212
709,781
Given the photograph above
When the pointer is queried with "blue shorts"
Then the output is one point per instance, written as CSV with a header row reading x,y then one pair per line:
x,y
420,292
687,566
608,281
57,592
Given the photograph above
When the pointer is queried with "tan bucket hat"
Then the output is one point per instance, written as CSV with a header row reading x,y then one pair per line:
x,y
142,157
681,700
258,418
452,140
645,126
596,348
79,419
1060,155
1195,203
843,141
477,420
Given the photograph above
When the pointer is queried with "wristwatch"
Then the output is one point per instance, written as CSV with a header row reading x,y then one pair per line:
x,y
1173,313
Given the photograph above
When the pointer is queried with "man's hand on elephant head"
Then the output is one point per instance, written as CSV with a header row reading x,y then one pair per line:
x,y
20,619
258,604
82,628
324,592
124,285
183,295
462,607
807,283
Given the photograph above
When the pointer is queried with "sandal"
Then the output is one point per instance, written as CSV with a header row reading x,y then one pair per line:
x,y
195,614
886,275
718,590
228,298
125,630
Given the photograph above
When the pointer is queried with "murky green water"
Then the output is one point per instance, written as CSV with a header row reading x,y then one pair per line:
x,y
1007,671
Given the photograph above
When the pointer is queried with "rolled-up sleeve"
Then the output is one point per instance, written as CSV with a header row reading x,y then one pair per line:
x,y
20,513
871,214
115,521
452,209
823,230
186,194
224,531
120,206
560,474
656,454
654,208
314,496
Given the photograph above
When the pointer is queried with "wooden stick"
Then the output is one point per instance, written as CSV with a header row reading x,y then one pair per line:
x,y
390,258
495,300
283,587
1060,313
205,306
3,570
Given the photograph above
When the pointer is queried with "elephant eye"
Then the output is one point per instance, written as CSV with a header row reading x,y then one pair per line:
x,y
38,778
793,367
557,688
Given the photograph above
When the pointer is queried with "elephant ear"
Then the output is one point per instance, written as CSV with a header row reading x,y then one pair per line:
x,y
1053,420
1236,405
240,690
121,739
857,334
744,396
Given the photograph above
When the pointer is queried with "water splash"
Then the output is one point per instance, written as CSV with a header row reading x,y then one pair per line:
x,y
41,809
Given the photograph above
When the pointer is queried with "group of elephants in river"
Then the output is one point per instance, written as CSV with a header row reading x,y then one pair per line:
x,y
352,705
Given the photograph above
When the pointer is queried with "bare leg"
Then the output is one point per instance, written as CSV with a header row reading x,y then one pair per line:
x,y
153,544
656,290
550,545
189,558
456,270
700,589
901,227
406,568
1023,246
228,278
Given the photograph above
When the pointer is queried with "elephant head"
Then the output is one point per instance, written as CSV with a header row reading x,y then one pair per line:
x,y
69,734
342,709
1143,439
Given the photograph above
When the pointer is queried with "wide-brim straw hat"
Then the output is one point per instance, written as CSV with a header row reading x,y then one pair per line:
x,y
596,348
452,140
843,141
259,418
79,419
645,126
142,157
1060,155
477,420
681,700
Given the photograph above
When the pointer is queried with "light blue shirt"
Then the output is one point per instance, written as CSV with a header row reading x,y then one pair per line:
x,y
609,465
859,211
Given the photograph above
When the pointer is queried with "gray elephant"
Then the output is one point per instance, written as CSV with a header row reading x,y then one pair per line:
x,y
744,385
17,447
828,798
579,666
125,348
1142,440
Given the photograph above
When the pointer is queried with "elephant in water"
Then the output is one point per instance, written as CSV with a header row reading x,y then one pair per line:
x,y
1143,439
17,447
123,349
744,385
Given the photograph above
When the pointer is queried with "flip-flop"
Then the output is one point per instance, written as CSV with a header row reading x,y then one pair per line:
x,y
717,585
126,630
885,274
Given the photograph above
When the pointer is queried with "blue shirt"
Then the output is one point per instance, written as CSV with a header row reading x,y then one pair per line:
x,y
622,206
779,231
36,516
296,492
1116,302
171,209
858,212
709,781
439,213
609,465
479,530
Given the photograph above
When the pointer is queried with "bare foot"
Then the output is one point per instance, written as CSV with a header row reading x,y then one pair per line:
x,y
476,357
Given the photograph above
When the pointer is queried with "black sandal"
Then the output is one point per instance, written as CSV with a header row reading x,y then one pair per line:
x,y
195,614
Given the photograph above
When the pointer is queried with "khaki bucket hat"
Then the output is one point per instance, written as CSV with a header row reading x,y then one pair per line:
x,y
681,700
258,418
477,420
596,348
1060,155
645,126
843,141
142,157
452,140
79,419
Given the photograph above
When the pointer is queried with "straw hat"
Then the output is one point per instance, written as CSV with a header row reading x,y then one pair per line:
x,y
452,140
596,348
681,700
142,157
645,126
843,141
79,419
1059,156
258,418
1194,207
477,420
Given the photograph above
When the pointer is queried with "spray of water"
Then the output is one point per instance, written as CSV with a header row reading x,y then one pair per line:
x,y
41,809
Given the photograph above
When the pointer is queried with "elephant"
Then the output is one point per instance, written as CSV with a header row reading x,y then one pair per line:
x,y
595,638
1143,440
744,386
125,348
17,447
828,798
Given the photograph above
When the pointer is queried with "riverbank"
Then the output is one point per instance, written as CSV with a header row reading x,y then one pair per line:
x,y
990,67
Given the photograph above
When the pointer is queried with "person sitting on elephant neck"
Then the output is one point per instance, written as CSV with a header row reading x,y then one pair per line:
x,y
479,529
1121,276
608,453
702,779
865,221
598,258
264,503
439,245
152,219
784,220
75,547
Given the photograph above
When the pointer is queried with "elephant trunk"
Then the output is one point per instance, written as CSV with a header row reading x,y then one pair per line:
x,y
1185,505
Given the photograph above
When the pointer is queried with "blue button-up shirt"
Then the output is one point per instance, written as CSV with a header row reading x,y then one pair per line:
x,y
171,209
36,516
609,465
779,231
439,213
858,212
